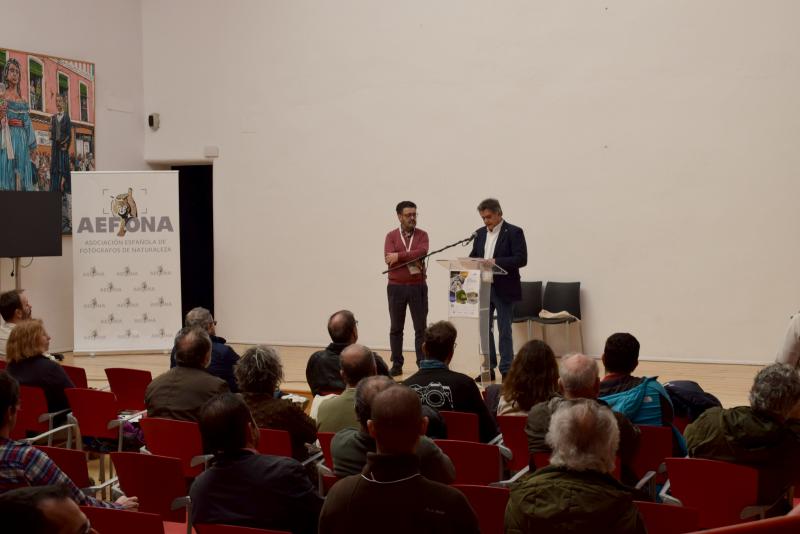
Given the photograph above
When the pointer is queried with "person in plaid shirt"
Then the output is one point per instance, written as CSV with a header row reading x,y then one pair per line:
x,y
24,465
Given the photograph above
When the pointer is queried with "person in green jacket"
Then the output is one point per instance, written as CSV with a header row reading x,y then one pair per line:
x,y
576,492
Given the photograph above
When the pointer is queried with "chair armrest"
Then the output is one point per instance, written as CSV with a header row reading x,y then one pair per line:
x,y
99,487
313,458
51,415
114,423
505,452
648,485
49,433
201,459
666,498
184,502
508,482
497,440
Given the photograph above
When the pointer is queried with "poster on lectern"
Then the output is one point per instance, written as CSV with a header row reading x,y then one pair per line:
x,y
126,260
464,294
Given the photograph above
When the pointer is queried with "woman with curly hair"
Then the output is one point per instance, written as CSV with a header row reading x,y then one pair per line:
x,y
259,373
533,378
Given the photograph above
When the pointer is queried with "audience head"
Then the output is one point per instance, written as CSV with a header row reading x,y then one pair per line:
x,y
439,341
226,425
259,370
201,318
584,436
342,327
192,347
533,376
580,377
397,422
9,400
621,354
42,510
28,338
776,390
366,390
14,306
357,362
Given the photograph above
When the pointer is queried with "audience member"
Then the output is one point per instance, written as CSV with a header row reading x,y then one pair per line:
x,y
259,373
27,363
245,488
580,380
180,392
392,478
789,351
223,357
42,510
532,378
338,412
24,465
641,399
443,389
764,435
14,308
576,492
351,445
322,370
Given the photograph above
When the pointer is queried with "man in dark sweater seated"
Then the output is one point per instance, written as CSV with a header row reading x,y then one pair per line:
x,y
391,481
443,389
243,487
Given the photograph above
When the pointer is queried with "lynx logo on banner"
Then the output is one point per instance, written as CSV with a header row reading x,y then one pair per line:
x,y
126,254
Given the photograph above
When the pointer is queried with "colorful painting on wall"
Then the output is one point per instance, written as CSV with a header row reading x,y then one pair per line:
x,y
47,116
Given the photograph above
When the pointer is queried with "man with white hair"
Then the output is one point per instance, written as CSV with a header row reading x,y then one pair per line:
x,y
223,357
579,378
576,492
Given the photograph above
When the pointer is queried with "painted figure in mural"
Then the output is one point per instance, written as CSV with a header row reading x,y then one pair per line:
x,y
61,138
16,169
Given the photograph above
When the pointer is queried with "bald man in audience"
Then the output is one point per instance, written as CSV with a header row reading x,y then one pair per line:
x,y
579,378
351,445
390,495
339,412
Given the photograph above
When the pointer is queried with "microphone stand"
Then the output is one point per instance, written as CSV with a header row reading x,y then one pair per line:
x,y
429,254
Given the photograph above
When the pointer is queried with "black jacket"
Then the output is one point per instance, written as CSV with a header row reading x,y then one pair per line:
x,y
510,253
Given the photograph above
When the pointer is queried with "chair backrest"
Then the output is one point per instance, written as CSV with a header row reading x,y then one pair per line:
x,y
513,429
72,462
2,364
325,439
667,518
274,442
93,409
718,490
462,426
156,480
531,303
776,525
680,423
563,296
33,403
229,529
475,463
123,521
177,439
129,386
655,444
489,504
77,375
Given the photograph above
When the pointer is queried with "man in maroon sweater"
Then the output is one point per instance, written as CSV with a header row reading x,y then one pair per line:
x,y
407,285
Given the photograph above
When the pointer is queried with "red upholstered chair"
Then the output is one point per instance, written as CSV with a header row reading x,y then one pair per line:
x,y
655,444
680,423
124,521
2,365
776,525
72,462
156,480
325,439
718,490
33,415
475,463
667,518
513,429
177,439
462,426
77,375
274,442
229,529
489,504
129,386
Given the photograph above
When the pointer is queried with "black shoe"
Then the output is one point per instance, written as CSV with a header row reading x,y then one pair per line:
x,y
397,370
491,376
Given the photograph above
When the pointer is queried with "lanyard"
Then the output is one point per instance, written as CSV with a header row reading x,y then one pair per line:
x,y
403,239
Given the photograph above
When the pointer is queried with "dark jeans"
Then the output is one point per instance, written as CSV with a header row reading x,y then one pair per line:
x,y
504,310
416,298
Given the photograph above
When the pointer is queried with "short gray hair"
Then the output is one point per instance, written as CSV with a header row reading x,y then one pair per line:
x,y
584,436
578,372
259,370
776,390
198,317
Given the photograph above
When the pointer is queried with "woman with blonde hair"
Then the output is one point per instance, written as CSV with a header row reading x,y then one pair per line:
x,y
25,351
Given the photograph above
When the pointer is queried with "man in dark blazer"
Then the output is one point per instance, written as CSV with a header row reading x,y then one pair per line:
x,y
501,244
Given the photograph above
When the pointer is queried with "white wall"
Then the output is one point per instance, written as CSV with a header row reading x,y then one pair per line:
x,y
648,149
108,33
